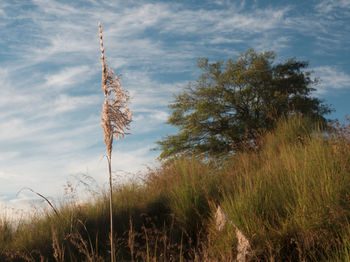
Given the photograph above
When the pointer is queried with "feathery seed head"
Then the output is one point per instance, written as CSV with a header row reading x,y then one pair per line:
x,y
116,116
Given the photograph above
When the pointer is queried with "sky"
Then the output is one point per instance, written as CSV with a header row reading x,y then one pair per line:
x,y
50,76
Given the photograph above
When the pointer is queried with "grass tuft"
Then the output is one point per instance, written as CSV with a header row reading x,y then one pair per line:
x,y
290,198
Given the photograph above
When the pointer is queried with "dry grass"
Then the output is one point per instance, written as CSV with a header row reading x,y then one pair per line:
x,y
291,199
116,117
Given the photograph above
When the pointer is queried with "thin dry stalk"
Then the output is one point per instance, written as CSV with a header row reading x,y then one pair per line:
x,y
85,247
90,254
116,117
58,250
131,240
40,195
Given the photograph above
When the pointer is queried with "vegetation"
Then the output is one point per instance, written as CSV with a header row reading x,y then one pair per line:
x,y
283,185
291,198
232,102
116,117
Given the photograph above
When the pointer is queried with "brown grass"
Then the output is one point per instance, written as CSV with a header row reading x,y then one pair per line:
x,y
116,117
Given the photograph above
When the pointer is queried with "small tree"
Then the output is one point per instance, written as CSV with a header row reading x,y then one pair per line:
x,y
116,117
232,101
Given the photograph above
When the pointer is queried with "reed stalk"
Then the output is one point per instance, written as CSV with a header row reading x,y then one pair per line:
x,y
116,117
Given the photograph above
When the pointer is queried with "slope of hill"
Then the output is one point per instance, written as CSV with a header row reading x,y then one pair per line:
x,y
291,198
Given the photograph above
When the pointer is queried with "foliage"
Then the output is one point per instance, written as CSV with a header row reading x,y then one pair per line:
x,y
231,102
291,199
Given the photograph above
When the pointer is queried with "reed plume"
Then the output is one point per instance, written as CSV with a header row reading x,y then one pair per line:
x,y
116,118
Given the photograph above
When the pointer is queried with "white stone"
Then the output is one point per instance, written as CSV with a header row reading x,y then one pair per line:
x,y
243,246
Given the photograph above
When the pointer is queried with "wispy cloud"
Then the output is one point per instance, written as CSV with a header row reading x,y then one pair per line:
x,y
258,21
331,78
224,40
327,6
65,103
50,95
271,42
67,77
9,155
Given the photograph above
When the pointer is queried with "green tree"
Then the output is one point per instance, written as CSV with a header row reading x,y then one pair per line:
x,y
234,100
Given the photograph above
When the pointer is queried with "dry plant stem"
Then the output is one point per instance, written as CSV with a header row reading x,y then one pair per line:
x,y
105,122
111,206
40,195
116,117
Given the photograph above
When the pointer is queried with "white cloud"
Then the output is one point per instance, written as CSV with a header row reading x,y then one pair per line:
x,y
55,8
9,155
327,6
259,21
161,116
68,77
148,93
224,40
270,42
18,129
65,103
331,78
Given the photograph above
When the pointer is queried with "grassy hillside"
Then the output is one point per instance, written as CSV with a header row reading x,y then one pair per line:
x,y
291,198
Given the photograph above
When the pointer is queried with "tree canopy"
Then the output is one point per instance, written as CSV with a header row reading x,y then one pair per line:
x,y
232,101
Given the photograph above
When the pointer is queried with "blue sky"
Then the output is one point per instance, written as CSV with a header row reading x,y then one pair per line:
x,y
50,74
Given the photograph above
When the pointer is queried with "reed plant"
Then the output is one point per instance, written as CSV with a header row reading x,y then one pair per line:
x,y
116,117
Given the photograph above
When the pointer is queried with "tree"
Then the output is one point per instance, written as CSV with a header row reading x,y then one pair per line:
x,y
232,101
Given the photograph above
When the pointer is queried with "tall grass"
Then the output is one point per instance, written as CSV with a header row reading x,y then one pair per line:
x,y
290,198
116,117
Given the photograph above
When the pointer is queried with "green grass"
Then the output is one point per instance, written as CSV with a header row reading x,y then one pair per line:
x,y
291,198
293,203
